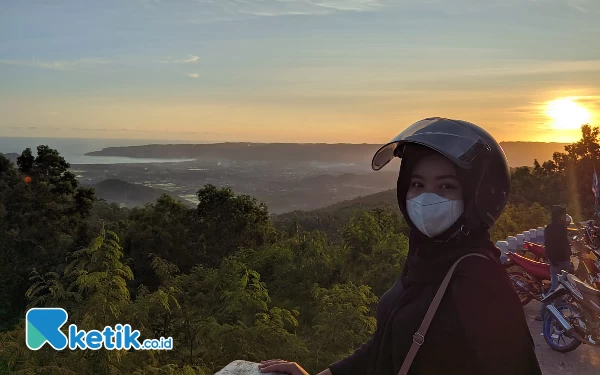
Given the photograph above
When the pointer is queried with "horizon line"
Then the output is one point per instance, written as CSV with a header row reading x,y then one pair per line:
x,y
201,142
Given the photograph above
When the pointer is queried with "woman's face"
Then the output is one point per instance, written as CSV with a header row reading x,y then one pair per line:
x,y
435,174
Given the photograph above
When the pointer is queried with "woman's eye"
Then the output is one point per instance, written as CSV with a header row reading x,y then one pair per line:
x,y
447,186
417,185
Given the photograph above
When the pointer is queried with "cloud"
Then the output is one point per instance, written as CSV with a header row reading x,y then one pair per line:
x,y
592,100
266,13
577,6
60,65
500,68
192,59
210,11
350,5
193,75
542,67
480,6
305,8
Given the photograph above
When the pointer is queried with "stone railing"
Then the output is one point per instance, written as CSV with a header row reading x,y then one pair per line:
x,y
242,368
515,243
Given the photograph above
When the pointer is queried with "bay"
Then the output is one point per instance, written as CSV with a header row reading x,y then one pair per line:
x,y
74,149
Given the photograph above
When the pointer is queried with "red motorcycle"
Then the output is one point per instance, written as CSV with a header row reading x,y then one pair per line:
x,y
528,277
588,269
539,251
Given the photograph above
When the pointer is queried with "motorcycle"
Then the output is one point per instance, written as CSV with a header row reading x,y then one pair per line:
x,y
538,251
588,269
528,278
573,315
591,234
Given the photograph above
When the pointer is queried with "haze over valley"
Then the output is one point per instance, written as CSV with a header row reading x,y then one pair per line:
x,y
287,177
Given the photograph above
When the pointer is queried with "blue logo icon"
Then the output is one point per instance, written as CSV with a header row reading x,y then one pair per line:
x,y
42,325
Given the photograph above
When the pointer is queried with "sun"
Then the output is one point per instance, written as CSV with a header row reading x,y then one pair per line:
x,y
567,114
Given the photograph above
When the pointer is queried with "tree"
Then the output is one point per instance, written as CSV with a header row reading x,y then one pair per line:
x,y
343,321
377,248
228,222
98,285
101,277
39,218
565,179
518,218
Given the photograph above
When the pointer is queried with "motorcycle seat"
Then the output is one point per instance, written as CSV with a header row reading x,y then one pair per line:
x,y
592,295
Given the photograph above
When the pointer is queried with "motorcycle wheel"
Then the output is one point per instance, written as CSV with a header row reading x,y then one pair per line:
x,y
520,281
555,335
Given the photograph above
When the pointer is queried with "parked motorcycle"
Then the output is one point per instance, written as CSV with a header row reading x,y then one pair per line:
x,y
573,320
528,278
588,269
591,234
531,279
538,251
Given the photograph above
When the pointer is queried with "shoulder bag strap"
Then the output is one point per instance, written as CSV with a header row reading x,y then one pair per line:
x,y
419,336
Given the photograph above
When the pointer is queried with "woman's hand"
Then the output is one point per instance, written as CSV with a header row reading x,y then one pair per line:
x,y
285,367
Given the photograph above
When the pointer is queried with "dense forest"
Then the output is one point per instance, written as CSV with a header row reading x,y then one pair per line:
x,y
225,279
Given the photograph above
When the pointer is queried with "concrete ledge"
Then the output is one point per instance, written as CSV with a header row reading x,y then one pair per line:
x,y
242,368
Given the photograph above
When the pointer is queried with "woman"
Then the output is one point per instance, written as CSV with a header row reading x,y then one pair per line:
x,y
453,184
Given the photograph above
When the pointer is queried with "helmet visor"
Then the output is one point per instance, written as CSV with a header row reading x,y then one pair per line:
x,y
448,137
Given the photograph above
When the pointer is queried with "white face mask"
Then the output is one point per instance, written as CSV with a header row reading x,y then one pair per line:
x,y
432,214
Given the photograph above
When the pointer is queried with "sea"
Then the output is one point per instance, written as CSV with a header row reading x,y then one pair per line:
x,y
74,149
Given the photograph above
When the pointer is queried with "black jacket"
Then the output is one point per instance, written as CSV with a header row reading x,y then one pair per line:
x,y
479,328
556,241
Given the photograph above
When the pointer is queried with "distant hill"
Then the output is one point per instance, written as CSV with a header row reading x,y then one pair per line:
x,y
518,153
524,153
275,152
332,218
384,199
379,180
11,156
127,194
318,191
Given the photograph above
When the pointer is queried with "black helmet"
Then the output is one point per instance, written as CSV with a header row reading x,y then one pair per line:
x,y
469,147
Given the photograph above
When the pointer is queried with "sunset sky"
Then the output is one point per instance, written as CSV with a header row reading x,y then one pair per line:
x,y
296,70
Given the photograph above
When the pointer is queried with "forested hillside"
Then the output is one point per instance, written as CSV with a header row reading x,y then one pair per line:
x,y
128,194
224,279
